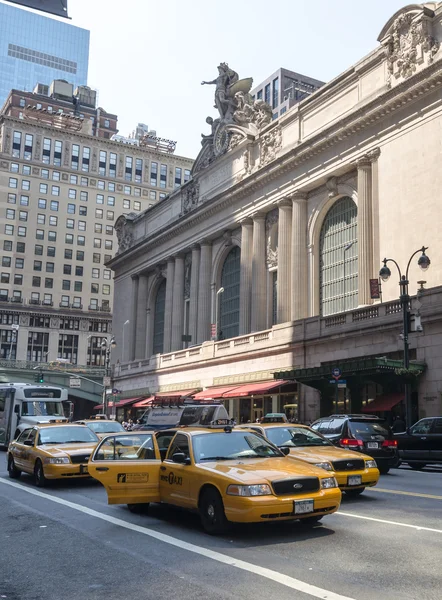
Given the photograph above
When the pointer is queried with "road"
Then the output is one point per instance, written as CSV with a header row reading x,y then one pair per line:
x,y
66,543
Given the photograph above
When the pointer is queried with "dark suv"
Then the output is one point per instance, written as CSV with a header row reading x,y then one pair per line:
x,y
365,433
421,444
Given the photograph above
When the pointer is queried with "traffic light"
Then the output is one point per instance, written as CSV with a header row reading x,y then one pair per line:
x,y
39,377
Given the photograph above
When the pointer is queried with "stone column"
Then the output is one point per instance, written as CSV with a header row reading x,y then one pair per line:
x,y
194,282
204,295
149,333
299,256
133,319
140,342
245,286
284,282
259,273
374,155
365,230
168,305
178,304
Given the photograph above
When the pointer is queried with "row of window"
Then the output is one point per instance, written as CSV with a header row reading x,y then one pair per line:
x,y
69,238
47,298
23,147
45,321
50,251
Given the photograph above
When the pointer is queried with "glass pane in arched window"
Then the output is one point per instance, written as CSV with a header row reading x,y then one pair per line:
x,y
228,326
158,328
339,258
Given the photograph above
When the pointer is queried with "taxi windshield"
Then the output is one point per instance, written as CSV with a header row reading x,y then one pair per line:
x,y
294,437
106,427
65,435
230,446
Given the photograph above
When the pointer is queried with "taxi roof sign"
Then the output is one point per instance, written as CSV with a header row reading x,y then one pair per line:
x,y
274,418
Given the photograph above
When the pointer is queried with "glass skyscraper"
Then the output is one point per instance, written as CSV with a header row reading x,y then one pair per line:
x,y
38,49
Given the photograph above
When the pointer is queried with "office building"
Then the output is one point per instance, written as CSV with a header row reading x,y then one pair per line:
x,y
283,89
37,48
63,184
258,280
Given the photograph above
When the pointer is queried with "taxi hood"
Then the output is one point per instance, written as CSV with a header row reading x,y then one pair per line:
x,y
319,454
250,471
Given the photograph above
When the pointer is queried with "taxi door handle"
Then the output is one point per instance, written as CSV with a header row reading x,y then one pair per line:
x,y
102,468
163,468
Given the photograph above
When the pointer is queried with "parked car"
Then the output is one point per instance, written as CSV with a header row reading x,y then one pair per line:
x,y
421,444
363,433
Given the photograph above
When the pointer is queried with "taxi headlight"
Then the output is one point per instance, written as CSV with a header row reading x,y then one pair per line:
x,y
249,490
328,482
57,461
324,465
370,464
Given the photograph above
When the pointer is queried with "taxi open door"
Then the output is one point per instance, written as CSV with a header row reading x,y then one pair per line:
x,y
128,466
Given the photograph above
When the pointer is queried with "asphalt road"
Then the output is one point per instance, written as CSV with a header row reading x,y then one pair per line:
x,y
66,543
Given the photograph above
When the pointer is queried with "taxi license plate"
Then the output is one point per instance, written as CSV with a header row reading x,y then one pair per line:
x,y
83,469
354,480
372,445
303,506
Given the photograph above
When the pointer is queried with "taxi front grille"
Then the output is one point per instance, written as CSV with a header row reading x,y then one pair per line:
x,y
349,465
292,487
77,459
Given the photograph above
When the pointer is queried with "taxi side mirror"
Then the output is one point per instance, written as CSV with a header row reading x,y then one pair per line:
x,y
285,451
28,443
180,458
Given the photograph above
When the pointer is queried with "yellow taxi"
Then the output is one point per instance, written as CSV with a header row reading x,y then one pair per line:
x,y
51,452
226,474
102,427
353,471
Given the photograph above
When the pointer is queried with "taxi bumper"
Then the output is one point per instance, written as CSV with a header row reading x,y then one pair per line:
x,y
279,508
64,471
346,479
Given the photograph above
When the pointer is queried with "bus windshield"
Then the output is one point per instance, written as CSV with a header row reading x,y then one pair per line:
x,y
42,408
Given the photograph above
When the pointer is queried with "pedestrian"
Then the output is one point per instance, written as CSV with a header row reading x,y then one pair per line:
x,y
398,425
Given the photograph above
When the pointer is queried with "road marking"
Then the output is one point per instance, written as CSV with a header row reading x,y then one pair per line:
x,y
403,493
286,580
416,527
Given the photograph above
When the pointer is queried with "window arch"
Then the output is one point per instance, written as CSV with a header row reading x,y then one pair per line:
x,y
159,311
228,325
339,254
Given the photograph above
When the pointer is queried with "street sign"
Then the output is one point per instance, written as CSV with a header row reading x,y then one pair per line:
x,y
375,289
336,372
115,391
341,385
74,382
106,381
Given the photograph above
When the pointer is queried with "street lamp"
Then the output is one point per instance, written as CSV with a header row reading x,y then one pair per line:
x,y
107,345
385,274
218,294
347,247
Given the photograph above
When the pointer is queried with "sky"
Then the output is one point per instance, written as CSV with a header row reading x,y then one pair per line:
x,y
148,57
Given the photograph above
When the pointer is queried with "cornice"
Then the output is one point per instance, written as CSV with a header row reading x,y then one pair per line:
x,y
407,92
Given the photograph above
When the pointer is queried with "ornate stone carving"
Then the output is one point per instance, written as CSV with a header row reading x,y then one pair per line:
x,y
24,320
235,140
120,165
124,231
332,186
187,275
270,144
94,163
37,153
54,323
7,141
271,247
67,154
84,325
190,194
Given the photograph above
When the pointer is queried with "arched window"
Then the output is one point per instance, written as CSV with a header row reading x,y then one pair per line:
x,y
339,258
228,325
158,327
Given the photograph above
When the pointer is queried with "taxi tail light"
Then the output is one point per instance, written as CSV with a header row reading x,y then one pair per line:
x,y
389,444
351,443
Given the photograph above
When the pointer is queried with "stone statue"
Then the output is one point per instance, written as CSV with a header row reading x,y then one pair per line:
x,y
213,124
227,84
264,113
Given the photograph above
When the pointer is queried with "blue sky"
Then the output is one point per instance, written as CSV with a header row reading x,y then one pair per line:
x,y
148,57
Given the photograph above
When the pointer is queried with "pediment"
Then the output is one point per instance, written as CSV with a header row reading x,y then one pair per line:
x,y
411,11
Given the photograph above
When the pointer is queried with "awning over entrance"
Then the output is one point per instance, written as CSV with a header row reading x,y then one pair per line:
x,y
383,402
144,403
119,404
255,389
175,394
215,393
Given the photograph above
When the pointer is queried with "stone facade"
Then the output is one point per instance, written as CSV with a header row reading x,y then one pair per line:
x,y
366,144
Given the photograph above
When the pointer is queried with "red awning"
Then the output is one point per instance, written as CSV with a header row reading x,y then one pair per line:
x,y
383,402
175,394
118,404
144,403
214,393
256,389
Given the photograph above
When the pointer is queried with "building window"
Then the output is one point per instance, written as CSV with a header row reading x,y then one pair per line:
x,y
97,242
159,312
23,215
96,258
81,225
21,246
111,201
53,221
86,158
111,186
21,231
38,344
5,277
112,164
37,265
26,185
54,205
67,269
57,153
14,168
71,209
100,199
13,182
16,144
68,254
127,190
138,170
50,266
95,273
55,190
69,238
49,282
153,173
81,240
228,325
18,279
41,203
73,179
98,228
19,263
126,203
26,169
79,255
98,213
68,347
12,198
10,214
8,340
38,250
137,205
75,156
36,281
78,286
47,299
27,155
128,169
275,94
44,173
95,354
50,251
102,163
101,184
95,288
105,289
9,229
110,215
177,177
43,188
338,231
106,274
72,194
65,284
24,200
163,176
109,230
79,271
108,244
83,196
137,192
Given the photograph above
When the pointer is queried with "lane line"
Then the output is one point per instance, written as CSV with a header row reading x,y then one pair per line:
x,y
404,493
287,581
416,527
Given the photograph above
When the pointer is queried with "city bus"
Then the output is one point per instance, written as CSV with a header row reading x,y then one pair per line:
x,y
23,405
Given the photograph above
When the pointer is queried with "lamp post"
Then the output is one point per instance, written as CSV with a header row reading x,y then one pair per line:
x,y
347,247
122,343
107,345
385,273
218,294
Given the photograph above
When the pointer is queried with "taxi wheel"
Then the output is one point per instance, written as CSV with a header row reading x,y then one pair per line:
x,y
138,509
354,493
383,470
310,521
417,466
39,476
14,473
212,513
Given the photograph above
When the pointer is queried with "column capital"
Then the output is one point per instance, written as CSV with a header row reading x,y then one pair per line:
x,y
374,154
246,221
363,162
194,247
284,202
180,256
299,196
135,277
205,242
259,215
170,260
